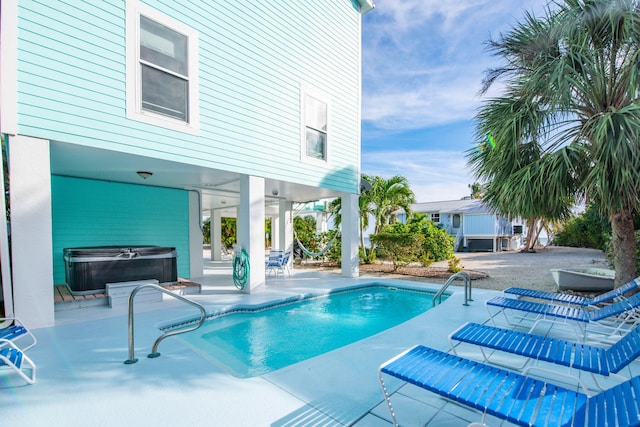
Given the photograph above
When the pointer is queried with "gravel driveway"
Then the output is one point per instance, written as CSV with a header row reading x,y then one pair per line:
x,y
527,270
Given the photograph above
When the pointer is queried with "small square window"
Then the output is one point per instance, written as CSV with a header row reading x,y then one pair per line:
x,y
435,217
315,115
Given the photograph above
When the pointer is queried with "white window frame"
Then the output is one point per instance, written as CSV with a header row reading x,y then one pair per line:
x,y
317,94
435,217
134,90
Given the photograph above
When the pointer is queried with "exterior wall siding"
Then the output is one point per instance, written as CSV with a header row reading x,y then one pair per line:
x,y
479,225
253,60
99,213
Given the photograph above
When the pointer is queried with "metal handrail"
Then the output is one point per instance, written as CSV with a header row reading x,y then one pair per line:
x,y
154,351
462,275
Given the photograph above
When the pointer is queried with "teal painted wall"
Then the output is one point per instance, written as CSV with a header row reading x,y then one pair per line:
x,y
99,213
253,59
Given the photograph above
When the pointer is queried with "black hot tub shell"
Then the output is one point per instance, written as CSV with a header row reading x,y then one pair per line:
x,y
88,270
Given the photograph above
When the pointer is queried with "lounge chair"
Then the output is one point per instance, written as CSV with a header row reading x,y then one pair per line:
x,y
616,318
576,299
15,332
11,357
510,396
595,360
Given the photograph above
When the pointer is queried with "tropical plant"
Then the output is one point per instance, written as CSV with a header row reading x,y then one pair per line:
x,y
568,124
476,190
365,207
206,231
438,244
228,231
587,230
400,248
386,197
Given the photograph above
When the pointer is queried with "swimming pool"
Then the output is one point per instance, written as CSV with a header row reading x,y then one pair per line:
x,y
247,344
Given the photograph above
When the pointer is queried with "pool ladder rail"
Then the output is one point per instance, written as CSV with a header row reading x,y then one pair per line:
x,y
154,351
461,275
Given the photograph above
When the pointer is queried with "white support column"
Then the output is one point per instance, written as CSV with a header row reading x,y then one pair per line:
x,y
196,265
275,233
216,235
251,228
321,222
31,231
285,239
350,232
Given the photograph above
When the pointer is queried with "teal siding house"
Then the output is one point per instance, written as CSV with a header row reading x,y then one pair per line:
x,y
474,225
125,122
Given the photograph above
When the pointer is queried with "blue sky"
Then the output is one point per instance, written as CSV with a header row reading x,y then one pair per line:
x,y
423,62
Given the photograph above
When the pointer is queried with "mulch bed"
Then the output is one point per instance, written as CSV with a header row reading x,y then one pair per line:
x,y
386,268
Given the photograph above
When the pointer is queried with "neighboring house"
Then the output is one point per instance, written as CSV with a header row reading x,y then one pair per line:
x,y
474,226
126,121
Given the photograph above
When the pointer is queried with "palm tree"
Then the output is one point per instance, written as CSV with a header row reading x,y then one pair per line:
x,y
568,124
380,202
388,196
365,208
476,190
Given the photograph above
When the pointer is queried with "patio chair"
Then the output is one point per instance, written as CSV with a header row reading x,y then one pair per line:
x,y
16,331
510,396
273,262
616,318
278,262
609,296
11,357
535,348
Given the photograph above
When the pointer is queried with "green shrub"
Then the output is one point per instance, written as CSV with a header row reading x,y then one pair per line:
x,y
400,248
454,265
587,230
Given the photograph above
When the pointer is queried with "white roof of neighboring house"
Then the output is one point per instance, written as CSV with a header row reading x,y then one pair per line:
x,y
464,206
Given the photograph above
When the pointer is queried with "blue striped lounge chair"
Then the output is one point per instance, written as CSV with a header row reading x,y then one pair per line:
x,y
510,396
16,331
12,358
558,297
613,319
536,348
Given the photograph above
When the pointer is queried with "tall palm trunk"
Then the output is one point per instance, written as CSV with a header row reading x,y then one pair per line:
x,y
624,246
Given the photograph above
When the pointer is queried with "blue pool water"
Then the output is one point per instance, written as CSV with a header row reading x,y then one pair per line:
x,y
251,344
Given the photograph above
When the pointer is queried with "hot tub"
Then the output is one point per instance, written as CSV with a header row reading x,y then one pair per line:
x,y
88,270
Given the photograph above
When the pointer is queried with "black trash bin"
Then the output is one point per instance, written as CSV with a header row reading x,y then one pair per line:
x,y
88,270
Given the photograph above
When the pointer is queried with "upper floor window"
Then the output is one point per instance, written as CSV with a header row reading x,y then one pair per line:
x,y
162,73
315,117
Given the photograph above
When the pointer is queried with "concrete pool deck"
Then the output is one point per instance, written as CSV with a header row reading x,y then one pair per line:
x,y
82,380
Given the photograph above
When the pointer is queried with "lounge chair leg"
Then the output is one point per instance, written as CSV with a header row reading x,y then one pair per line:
x,y
388,399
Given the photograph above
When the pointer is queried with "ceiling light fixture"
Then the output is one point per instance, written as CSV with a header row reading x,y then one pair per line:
x,y
144,174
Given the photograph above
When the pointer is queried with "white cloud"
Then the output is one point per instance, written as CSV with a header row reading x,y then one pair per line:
x,y
423,65
432,174
423,61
